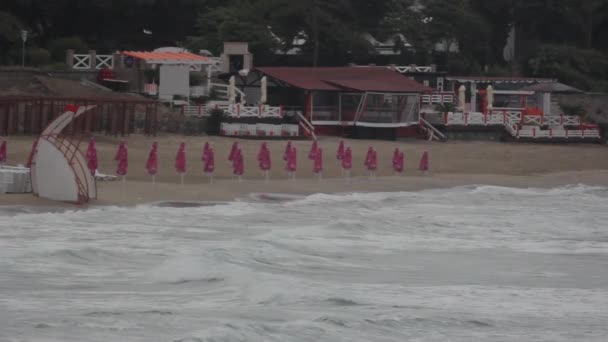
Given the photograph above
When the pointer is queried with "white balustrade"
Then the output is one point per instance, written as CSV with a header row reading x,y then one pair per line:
x,y
531,126
104,62
82,62
236,111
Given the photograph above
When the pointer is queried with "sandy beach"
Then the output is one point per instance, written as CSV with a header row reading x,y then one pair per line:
x,y
452,164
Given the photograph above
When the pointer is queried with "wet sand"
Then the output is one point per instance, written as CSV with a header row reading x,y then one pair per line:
x,y
452,164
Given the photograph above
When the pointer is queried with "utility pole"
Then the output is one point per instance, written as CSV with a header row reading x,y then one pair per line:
x,y
23,40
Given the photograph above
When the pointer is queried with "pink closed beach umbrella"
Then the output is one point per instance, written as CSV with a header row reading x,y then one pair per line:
x,y
292,162
318,163
3,152
424,162
235,147
347,161
180,161
152,162
264,160
395,157
238,164
287,151
209,167
340,152
398,161
371,161
122,157
206,148
368,156
91,156
313,150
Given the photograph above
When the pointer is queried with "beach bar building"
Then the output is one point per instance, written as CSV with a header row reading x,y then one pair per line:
x,y
361,102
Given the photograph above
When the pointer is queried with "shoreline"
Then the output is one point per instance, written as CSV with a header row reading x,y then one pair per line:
x,y
228,190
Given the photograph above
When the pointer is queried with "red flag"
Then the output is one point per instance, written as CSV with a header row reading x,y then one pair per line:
x,y
180,159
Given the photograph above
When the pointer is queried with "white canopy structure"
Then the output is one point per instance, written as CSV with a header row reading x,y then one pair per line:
x,y
59,169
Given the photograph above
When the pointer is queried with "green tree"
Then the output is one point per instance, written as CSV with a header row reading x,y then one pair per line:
x,y
10,33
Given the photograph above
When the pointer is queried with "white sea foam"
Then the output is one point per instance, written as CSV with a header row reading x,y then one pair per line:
x,y
470,263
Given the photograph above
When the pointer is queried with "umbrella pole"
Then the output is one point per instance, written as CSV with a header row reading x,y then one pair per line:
x,y
210,178
153,179
266,176
181,176
124,186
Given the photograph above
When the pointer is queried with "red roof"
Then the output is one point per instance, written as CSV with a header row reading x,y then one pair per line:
x,y
490,79
166,57
360,79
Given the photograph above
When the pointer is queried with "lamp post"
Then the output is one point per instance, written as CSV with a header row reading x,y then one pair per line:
x,y
23,40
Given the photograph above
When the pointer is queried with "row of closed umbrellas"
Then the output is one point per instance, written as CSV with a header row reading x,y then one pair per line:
x,y
235,157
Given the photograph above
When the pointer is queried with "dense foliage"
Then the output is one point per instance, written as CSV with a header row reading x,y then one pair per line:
x,y
557,38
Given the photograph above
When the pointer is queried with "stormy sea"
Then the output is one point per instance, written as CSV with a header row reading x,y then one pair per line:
x,y
475,263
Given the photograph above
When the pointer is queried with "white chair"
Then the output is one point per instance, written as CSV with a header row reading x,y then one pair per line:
x,y
6,182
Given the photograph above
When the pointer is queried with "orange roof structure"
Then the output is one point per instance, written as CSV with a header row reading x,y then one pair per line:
x,y
168,57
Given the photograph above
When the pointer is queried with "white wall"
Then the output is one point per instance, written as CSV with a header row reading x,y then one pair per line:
x,y
174,80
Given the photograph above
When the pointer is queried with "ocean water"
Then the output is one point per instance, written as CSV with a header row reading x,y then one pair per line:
x,y
473,263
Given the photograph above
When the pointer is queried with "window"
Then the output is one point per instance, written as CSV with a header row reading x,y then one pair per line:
x,y
440,83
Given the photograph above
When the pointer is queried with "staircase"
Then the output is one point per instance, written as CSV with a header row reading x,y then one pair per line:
x,y
431,132
222,91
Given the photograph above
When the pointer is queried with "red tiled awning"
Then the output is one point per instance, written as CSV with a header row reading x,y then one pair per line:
x,y
490,79
360,79
168,57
